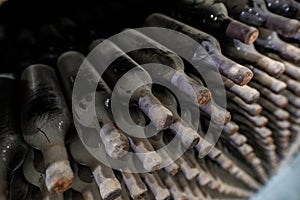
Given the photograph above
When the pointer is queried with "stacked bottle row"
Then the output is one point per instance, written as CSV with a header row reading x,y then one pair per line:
x,y
273,59
261,85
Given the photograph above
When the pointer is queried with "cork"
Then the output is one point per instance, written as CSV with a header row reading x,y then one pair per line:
x,y
59,177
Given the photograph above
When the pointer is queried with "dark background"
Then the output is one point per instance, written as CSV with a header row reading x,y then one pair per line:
x,y
37,31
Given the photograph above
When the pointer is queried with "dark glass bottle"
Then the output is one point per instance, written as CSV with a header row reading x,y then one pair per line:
x,y
247,54
287,8
150,159
34,172
212,16
160,116
45,123
12,146
115,142
104,176
255,13
208,55
84,182
270,41
68,65
156,53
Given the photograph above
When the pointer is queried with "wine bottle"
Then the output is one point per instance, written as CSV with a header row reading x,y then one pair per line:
x,y
176,191
158,142
156,185
258,121
160,117
188,137
84,182
68,66
247,54
253,109
172,168
278,99
208,50
245,92
136,187
115,142
34,172
45,122
287,8
212,16
255,13
267,81
279,113
145,152
292,85
216,113
291,70
269,40
12,146
104,176
156,53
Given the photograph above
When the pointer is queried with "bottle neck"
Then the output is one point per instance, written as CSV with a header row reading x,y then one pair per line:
x,y
107,183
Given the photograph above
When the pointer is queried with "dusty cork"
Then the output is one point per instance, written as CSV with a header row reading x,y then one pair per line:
x,y
59,177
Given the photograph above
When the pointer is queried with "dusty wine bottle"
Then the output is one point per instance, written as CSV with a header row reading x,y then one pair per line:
x,y
255,13
84,182
45,122
287,8
212,17
186,134
247,54
115,142
68,66
290,69
156,53
208,54
12,146
270,41
155,184
136,187
33,170
145,152
216,113
104,176
267,81
160,116
176,191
